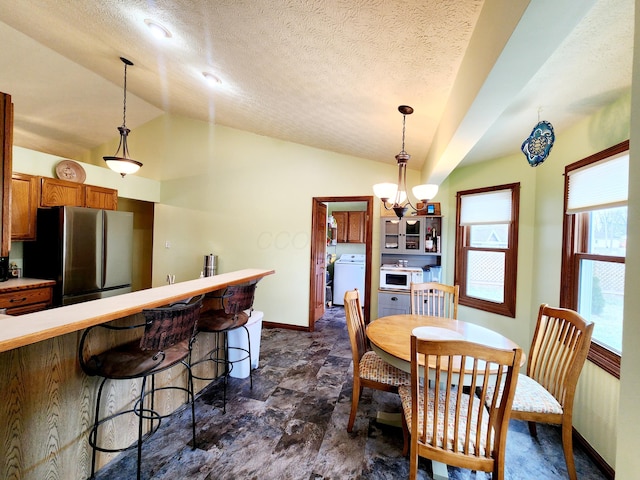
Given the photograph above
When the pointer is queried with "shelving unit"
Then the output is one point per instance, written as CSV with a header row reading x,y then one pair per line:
x,y
406,239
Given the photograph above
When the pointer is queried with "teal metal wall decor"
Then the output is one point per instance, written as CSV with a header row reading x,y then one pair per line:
x,y
537,147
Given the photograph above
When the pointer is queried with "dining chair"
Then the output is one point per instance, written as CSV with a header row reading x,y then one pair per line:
x,y
444,414
545,394
369,370
434,299
167,340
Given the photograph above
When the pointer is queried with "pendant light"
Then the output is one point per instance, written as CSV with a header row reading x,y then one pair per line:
x,y
123,164
393,195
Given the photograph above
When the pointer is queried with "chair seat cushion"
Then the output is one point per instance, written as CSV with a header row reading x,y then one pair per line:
x,y
532,397
374,368
129,361
219,321
405,397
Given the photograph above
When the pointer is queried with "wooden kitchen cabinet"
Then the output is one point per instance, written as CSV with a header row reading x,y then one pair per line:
x,y
24,206
101,197
55,192
351,226
22,295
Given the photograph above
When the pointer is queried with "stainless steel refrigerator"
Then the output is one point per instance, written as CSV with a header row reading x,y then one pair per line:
x,y
87,251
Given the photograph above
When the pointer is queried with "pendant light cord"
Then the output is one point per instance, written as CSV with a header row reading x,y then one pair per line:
x,y
124,103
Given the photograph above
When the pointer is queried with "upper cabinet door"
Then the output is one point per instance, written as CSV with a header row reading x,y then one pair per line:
x,y
24,206
61,193
403,236
101,197
351,226
357,225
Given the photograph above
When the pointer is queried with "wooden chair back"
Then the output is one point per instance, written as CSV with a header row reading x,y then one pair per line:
x,y
167,326
451,424
558,351
238,298
355,326
434,299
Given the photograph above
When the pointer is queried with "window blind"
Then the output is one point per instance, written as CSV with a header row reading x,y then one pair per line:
x,y
486,208
604,184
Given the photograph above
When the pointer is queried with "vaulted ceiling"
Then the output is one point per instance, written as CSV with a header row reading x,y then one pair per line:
x,y
329,74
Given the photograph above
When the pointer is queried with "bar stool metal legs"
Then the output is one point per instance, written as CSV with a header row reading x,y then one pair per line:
x,y
220,356
227,312
167,341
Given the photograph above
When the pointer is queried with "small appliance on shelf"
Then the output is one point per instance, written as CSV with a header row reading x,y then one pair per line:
x,y
395,277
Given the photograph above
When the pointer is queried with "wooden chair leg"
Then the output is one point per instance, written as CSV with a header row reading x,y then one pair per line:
x,y
532,429
413,463
567,446
355,398
405,436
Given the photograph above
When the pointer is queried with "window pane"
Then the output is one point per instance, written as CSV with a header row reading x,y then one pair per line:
x,y
489,236
608,235
601,300
485,275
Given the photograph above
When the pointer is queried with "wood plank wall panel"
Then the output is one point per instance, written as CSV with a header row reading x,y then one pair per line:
x,y
47,407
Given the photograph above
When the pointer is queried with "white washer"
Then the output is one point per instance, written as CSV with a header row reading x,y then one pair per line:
x,y
348,273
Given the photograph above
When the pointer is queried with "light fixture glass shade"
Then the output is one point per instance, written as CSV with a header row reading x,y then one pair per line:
x,y
124,166
425,192
385,190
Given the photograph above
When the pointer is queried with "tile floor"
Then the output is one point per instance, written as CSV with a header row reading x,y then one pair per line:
x,y
292,425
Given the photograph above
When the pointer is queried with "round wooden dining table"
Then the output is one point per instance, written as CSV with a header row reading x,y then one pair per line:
x,y
390,337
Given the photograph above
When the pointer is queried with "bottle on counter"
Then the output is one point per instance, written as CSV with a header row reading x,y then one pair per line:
x,y
435,238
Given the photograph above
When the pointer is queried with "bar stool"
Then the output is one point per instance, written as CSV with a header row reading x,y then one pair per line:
x,y
226,313
167,340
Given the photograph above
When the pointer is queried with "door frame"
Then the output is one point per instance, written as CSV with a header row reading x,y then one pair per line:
x,y
368,253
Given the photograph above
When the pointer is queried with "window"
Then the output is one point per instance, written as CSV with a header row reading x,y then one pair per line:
x,y
487,248
595,234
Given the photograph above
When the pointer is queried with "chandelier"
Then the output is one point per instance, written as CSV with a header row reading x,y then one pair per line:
x,y
393,195
123,164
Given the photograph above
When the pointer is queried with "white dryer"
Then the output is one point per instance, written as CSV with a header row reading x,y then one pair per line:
x,y
348,274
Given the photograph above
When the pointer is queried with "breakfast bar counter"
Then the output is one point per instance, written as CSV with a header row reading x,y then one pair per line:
x,y
27,329
48,402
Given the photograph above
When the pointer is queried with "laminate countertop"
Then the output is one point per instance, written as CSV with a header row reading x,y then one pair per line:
x,y
22,283
18,331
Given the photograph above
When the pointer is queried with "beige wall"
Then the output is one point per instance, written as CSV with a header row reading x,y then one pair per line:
x,y
539,253
247,199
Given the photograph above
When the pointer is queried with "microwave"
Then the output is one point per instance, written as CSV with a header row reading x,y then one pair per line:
x,y
399,278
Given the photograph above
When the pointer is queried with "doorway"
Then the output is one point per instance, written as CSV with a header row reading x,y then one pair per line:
x,y
319,257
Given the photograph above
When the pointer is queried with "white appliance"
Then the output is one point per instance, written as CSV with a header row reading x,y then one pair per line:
x,y
394,277
348,273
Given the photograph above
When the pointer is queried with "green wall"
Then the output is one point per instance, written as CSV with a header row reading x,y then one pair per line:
x,y
539,252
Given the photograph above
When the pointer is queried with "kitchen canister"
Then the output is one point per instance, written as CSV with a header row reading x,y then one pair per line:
x,y
210,265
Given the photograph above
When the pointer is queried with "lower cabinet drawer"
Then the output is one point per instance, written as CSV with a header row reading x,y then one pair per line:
x,y
35,299
393,303
34,307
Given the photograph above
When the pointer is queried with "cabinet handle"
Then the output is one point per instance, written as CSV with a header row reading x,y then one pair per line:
x,y
23,299
394,299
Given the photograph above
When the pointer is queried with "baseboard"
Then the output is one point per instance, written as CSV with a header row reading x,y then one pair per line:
x,y
604,467
285,326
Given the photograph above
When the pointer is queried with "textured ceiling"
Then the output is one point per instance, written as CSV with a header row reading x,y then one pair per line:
x,y
329,74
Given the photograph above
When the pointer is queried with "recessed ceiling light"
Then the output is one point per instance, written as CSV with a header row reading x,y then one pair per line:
x,y
157,30
211,78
